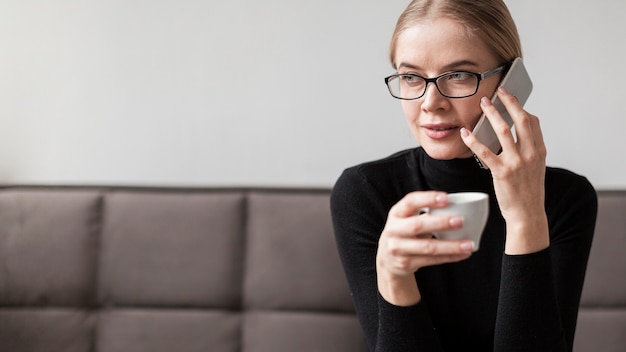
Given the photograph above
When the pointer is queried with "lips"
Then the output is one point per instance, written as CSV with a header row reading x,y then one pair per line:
x,y
440,131
442,128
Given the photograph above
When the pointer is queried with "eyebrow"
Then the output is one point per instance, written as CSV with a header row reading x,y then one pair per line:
x,y
450,66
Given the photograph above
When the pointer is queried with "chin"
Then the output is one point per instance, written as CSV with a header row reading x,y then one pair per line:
x,y
443,152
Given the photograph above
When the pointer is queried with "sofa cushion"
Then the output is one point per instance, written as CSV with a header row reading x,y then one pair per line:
x,y
291,258
50,329
169,249
607,260
156,330
601,330
47,246
265,331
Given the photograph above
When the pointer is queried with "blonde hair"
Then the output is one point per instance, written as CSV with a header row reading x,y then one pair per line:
x,y
488,20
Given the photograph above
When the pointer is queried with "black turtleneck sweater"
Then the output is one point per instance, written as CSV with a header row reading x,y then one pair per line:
x,y
489,302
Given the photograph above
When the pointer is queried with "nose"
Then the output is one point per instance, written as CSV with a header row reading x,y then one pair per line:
x,y
433,100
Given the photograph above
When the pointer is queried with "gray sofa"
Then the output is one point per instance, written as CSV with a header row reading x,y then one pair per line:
x,y
106,269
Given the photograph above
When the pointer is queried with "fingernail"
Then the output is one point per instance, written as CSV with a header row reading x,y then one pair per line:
x,y
441,198
485,101
503,90
467,246
464,132
456,221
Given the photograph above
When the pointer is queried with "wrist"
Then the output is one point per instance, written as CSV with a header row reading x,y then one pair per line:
x,y
399,290
527,235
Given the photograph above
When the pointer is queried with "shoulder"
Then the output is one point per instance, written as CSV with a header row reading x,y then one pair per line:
x,y
570,195
397,160
379,169
376,173
562,182
379,181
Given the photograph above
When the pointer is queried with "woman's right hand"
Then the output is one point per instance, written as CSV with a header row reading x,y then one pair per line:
x,y
406,245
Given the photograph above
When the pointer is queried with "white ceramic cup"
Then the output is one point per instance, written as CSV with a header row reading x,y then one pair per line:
x,y
473,207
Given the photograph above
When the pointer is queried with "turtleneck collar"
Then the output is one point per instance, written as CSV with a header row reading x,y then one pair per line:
x,y
456,175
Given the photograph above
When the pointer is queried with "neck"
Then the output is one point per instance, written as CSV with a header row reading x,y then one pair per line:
x,y
456,175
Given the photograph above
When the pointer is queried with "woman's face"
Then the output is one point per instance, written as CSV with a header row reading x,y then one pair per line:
x,y
430,49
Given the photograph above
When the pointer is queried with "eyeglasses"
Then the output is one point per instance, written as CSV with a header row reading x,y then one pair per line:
x,y
454,84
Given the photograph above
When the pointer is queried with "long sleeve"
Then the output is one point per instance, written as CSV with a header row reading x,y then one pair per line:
x,y
359,216
528,304
540,292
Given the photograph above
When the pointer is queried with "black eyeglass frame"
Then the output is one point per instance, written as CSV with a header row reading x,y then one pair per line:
x,y
479,77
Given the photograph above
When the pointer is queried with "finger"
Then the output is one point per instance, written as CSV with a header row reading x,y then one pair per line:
x,y
413,263
539,142
529,135
424,224
499,125
430,247
521,118
482,152
413,202
448,259
510,102
435,223
532,148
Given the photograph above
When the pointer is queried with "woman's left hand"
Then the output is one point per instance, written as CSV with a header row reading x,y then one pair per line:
x,y
518,173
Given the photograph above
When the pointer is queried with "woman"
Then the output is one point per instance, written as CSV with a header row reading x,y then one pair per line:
x,y
521,290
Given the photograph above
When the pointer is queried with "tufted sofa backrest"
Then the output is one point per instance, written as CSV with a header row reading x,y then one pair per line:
x,y
107,269
123,269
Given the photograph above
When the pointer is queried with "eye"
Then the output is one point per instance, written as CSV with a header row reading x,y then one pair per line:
x,y
411,79
459,76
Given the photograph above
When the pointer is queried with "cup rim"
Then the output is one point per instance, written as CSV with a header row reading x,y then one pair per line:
x,y
467,196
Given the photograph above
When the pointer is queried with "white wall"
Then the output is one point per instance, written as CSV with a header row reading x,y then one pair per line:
x,y
275,92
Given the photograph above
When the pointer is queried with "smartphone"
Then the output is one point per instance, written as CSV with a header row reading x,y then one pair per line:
x,y
518,83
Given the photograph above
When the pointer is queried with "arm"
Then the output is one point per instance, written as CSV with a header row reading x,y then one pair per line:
x,y
360,218
540,292
545,259
573,226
